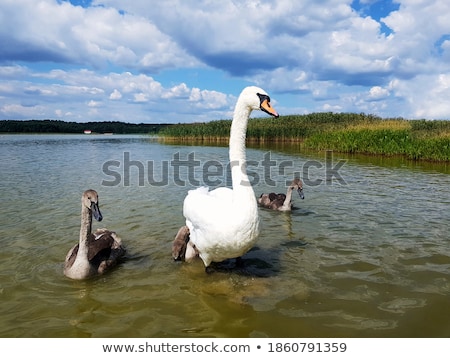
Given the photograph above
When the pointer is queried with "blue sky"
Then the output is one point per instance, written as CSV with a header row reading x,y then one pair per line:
x,y
179,61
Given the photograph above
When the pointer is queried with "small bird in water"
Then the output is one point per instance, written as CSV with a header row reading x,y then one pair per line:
x,y
282,202
95,252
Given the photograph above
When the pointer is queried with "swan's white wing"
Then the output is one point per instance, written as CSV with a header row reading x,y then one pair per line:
x,y
207,209
218,227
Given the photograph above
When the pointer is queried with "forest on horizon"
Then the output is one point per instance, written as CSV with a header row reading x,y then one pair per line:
x,y
58,126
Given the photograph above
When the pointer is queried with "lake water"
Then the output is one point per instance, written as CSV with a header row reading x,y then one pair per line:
x,y
365,254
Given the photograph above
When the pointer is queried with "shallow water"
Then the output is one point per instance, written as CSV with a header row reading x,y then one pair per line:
x,y
366,254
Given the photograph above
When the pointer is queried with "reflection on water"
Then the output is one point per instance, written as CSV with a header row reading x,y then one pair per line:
x,y
366,259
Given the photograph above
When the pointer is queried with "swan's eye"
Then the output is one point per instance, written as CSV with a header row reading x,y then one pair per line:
x,y
263,97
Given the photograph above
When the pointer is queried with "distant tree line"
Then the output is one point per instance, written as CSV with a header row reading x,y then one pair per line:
x,y
56,126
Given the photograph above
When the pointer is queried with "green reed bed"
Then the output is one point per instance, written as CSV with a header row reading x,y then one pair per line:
x,y
343,132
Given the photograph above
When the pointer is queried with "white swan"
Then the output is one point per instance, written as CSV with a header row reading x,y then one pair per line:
x,y
95,253
223,223
282,202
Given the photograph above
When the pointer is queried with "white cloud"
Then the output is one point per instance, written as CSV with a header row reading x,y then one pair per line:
x,y
95,36
377,93
433,101
208,99
115,95
179,91
140,97
94,104
20,111
310,56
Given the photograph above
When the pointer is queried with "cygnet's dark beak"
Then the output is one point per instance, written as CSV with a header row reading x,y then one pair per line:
x,y
96,212
300,192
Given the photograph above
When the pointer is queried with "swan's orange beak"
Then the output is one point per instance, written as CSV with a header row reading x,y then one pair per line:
x,y
266,107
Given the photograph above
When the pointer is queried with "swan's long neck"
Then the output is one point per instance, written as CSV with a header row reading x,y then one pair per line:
x,y
238,132
85,231
287,201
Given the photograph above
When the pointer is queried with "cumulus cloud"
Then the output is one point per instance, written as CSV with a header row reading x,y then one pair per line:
x,y
115,95
36,31
377,93
208,99
179,91
136,62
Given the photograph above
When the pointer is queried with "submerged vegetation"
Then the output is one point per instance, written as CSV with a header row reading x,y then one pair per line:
x,y
342,132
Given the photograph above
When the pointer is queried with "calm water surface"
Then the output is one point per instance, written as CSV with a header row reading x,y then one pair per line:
x,y
366,254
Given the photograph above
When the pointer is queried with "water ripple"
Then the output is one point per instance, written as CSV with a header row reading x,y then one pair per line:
x,y
369,258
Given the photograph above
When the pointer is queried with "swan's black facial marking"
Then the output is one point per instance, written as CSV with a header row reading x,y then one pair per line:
x,y
264,105
262,98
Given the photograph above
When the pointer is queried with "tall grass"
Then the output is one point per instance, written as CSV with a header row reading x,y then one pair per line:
x,y
343,132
